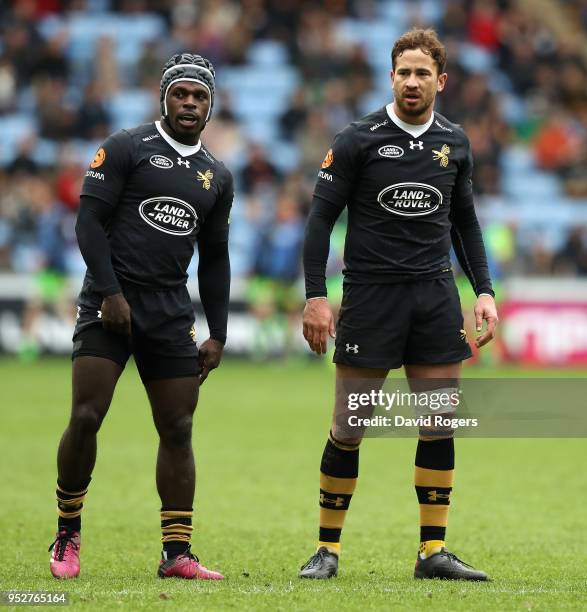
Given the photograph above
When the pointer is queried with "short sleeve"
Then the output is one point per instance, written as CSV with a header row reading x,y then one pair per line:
x,y
108,171
336,178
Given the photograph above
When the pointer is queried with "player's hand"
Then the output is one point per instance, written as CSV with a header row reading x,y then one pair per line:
x,y
116,314
318,324
209,357
485,310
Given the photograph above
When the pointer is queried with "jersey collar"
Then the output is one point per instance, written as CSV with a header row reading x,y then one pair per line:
x,y
410,128
182,149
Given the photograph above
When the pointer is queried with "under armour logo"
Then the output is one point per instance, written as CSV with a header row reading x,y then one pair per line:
x,y
416,145
435,496
79,312
99,314
183,162
337,502
352,348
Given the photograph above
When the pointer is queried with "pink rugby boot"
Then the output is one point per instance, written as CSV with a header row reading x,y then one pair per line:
x,y
65,556
187,566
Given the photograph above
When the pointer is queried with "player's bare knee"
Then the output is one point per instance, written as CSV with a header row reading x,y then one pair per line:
x,y
178,433
86,418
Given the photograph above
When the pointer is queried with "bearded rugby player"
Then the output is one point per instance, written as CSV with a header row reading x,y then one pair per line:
x,y
404,172
150,194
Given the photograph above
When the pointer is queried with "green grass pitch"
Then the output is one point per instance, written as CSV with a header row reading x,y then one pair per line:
x,y
518,508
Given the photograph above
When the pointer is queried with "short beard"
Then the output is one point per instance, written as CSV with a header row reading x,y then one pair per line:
x,y
414,112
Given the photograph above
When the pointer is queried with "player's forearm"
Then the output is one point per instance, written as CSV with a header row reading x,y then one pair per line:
x,y
467,240
319,226
94,246
214,285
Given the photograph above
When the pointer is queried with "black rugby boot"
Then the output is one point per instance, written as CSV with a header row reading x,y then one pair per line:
x,y
322,564
447,566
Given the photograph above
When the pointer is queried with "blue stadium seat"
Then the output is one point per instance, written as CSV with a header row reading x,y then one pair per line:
x,y
14,128
50,25
377,98
516,159
268,53
260,129
375,36
285,156
475,59
532,184
131,107
257,99
46,151
404,12
250,80
84,32
128,34
131,33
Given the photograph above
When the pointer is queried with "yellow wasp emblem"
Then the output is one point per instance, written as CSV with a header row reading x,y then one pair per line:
x,y
442,155
205,177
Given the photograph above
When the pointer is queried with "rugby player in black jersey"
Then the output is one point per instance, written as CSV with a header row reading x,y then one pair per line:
x,y
404,173
149,195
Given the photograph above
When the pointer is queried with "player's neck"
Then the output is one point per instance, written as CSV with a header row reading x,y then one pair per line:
x,y
188,139
413,119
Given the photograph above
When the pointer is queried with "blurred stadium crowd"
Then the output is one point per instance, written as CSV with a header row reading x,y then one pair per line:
x,y
290,74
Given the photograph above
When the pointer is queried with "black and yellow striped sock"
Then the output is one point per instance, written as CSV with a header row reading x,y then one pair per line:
x,y
338,478
433,478
176,530
69,506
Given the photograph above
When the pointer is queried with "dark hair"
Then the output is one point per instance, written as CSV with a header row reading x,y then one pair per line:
x,y
426,40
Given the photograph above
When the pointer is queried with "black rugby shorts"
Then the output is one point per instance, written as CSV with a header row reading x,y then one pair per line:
x,y
163,338
387,326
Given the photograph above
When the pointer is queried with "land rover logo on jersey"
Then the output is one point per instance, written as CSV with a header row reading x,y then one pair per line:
x,y
391,151
160,161
169,215
410,199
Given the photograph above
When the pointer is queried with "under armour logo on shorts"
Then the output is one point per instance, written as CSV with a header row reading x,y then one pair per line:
x,y
352,348
416,145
